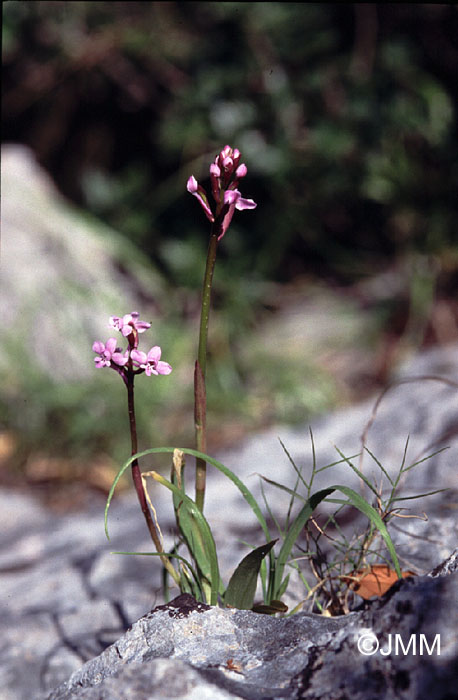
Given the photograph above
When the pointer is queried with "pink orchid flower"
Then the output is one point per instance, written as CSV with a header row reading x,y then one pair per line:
x,y
109,354
129,323
198,191
151,362
225,173
235,201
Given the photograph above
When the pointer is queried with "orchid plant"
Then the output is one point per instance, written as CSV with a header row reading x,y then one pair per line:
x,y
199,573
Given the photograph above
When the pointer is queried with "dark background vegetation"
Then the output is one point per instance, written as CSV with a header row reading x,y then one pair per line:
x,y
345,115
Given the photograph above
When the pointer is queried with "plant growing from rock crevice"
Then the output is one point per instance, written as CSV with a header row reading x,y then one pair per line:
x,y
198,572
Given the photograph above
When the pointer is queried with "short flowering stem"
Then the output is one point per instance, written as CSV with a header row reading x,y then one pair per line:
x,y
137,477
200,401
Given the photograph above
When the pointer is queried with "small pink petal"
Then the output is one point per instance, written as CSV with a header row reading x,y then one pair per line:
x,y
231,196
163,368
242,203
120,359
192,185
142,326
98,346
110,345
154,355
138,356
197,191
115,322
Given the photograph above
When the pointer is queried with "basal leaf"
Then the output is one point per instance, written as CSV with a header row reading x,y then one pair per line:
x,y
199,540
242,586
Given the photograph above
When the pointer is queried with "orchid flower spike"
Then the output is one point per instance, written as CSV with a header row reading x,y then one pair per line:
x,y
225,173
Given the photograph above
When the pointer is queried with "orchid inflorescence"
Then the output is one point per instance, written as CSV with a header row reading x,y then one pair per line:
x,y
225,174
110,355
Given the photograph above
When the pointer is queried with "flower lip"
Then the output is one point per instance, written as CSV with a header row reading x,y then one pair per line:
x,y
233,197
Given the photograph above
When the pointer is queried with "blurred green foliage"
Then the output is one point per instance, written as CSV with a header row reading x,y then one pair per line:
x,y
345,116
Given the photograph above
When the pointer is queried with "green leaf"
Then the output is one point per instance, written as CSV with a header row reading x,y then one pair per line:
x,y
199,539
242,586
374,517
362,476
275,606
292,535
185,580
380,465
283,587
292,492
419,461
246,493
418,495
293,463
357,501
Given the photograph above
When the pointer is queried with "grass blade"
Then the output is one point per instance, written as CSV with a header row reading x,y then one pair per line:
x,y
246,493
380,465
374,517
292,535
294,465
419,495
363,478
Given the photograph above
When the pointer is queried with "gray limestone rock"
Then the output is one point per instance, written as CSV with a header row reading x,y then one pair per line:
x,y
65,600
371,653
156,680
62,275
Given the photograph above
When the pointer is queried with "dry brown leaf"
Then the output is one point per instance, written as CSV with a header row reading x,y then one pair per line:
x,y
374,581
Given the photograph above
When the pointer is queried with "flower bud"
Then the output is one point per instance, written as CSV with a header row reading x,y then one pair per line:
x,y
241,171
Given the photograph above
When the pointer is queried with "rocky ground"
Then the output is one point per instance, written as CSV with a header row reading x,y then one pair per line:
x,y
66,598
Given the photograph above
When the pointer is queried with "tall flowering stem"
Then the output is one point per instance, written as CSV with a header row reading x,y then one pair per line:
x,y
200,394
225,174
